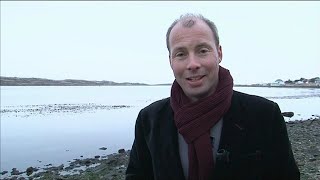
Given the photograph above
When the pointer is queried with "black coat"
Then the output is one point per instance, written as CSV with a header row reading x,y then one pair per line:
x,y
254,138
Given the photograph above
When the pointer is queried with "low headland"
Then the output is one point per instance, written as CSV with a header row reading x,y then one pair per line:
x,y
16,81
304,137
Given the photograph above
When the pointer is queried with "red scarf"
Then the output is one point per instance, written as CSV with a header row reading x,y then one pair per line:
x,y
195,119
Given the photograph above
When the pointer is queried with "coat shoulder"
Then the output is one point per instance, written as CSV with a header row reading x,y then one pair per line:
x,y
155,112
157,106
252,100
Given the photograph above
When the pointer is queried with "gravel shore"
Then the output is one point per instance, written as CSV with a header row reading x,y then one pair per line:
x,y
305,141
304,137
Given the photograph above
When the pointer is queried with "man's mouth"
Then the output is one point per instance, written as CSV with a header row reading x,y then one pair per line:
x,y
194,78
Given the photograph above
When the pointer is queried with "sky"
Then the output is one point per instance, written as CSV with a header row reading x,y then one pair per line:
x,y
125,41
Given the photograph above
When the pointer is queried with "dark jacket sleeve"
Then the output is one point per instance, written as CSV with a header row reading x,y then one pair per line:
x,y
285,166
139,166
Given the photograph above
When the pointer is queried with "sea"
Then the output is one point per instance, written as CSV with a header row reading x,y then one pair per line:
x,y
42,125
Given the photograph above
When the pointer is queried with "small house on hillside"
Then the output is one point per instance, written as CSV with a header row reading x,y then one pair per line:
x,y
317,80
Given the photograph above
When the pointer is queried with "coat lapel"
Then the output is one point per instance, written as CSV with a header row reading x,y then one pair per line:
x,y
170,149
232,136
234,127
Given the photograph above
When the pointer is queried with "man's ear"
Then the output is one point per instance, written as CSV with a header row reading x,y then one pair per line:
x,y
220,53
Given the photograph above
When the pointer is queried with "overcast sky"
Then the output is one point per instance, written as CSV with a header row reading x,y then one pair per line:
x,y
125,41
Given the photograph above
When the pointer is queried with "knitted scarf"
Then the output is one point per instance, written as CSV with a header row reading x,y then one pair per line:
x,y
195,119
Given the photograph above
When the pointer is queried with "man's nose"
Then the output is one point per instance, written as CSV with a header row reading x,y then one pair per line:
x,y
193,63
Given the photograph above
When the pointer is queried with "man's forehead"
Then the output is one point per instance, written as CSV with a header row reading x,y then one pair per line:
x,y
194,45
180,30
189,24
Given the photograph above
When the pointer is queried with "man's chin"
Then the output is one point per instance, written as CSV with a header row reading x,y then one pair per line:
x,y
195,94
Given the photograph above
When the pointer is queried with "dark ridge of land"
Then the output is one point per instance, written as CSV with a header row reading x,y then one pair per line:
x,y
166,84
16,81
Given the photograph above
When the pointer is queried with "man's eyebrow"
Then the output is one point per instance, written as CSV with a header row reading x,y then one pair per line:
x,y
204,44
178,48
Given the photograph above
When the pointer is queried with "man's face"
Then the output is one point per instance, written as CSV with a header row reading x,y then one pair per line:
x,y
194,59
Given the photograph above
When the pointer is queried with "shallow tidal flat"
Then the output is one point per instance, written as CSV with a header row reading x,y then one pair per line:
x,y
304,137
45,109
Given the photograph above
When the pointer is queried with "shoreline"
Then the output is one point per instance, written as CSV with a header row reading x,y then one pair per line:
x,y
304,136
280,86
115,85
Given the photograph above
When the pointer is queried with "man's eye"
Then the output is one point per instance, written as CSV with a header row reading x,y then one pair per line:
x,y
179,54
204,50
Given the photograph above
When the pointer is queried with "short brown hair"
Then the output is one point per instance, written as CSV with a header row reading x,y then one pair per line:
x,y
188,21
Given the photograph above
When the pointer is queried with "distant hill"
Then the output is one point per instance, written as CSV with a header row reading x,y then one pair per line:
x,y
16,81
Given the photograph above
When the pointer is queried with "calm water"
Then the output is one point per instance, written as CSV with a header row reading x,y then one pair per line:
x,y
42,125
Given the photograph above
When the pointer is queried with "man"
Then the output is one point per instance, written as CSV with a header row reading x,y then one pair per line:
x,y
205,130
